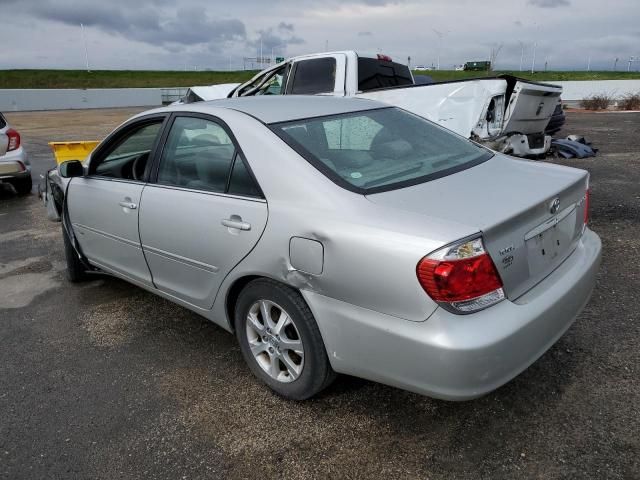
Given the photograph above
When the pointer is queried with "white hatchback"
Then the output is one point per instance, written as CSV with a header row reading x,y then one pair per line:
x,y
14,163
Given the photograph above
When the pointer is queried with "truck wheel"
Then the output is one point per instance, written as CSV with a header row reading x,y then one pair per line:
x,y
76,271
23,185
280,340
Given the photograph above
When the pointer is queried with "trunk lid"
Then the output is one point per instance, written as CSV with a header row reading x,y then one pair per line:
x,y
529,105
513,203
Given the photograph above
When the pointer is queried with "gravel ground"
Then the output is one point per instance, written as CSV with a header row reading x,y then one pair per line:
x,y
104,380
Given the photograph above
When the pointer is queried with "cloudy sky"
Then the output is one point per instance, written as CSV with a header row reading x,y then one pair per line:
x,y
179,34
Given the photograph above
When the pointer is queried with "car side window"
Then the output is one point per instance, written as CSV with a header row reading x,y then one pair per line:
x,y
241,181
128,159
198,154
316,75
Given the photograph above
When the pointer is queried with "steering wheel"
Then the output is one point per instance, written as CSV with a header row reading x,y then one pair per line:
x,y
138,164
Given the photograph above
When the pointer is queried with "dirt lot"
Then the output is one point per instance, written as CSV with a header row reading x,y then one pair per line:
x,y
103,380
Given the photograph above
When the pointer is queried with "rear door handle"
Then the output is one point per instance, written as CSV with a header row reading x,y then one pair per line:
x,y
233,223
129,205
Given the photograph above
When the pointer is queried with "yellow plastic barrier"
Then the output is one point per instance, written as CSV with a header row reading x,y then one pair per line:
x,y
64,151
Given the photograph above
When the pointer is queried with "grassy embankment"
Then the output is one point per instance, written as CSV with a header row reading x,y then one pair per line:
x,y
134,78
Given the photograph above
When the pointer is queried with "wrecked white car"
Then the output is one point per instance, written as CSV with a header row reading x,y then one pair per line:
x,y
505,113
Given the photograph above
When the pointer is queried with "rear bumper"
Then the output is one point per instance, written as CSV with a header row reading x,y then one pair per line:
x,y
14,165
459,357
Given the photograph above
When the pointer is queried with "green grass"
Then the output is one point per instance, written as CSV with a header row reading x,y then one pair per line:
x,y
115,78
134,78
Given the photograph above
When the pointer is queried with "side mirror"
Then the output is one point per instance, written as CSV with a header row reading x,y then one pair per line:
x,y
71,168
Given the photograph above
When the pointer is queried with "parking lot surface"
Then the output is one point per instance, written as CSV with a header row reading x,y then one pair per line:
x,y
104,380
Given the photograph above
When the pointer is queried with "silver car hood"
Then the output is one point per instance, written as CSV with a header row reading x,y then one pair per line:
x,y
506,199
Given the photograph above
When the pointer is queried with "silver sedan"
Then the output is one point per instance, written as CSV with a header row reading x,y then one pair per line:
x,y
337,235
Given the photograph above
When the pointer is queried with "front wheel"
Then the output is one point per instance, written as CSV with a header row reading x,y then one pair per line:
x,y
280,340
76,271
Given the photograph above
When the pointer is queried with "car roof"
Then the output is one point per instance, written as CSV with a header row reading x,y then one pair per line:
x,y
278,108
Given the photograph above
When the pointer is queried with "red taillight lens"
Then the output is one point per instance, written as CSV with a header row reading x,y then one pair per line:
x,y
14,139
462,276
586,207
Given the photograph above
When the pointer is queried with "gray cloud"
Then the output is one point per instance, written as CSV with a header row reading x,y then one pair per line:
x,y
549,3
277,38
364,34
190,25
286,26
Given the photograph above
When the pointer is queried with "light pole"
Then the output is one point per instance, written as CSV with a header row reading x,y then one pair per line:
x,y
440,35
629,66
86,51
615,64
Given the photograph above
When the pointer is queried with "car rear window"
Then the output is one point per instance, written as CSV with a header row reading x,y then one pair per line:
x,y
374,73
378,150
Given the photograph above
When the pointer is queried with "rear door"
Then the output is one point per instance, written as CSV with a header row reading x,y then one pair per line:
x,y
103,206
204,213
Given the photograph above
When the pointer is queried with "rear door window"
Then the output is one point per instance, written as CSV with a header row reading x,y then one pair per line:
x,y
316,75
198,154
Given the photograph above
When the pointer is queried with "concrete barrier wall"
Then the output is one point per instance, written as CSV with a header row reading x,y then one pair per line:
x,y
15,100
579,90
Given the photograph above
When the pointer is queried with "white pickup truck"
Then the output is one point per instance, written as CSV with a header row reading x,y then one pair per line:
x,y
505,113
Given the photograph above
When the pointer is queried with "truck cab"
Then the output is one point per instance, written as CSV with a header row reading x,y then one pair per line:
x,y
335,73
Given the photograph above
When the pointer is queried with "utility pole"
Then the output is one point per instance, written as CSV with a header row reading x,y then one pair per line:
x,y
615,64
86,51
589,64
326,45
629,66
533,61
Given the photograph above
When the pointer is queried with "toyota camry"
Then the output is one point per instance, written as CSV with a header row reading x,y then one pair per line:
x,y
335,235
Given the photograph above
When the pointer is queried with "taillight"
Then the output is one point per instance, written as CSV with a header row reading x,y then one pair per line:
x,y
14,139
461,277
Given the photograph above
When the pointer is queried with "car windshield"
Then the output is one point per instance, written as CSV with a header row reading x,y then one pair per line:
x,y
378,150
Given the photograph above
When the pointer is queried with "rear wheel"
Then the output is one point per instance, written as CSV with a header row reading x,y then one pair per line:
x,y
280,340
23,185
76,271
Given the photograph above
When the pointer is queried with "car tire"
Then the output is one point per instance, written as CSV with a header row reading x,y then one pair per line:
x,y
299,374
76,271
23,186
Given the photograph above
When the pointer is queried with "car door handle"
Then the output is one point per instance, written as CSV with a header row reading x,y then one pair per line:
x,y
233,223
129,205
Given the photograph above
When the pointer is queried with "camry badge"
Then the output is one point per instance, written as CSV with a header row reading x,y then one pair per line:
x,y
554,206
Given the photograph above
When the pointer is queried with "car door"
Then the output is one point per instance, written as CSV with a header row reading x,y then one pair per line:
x,y
103,205
204,213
